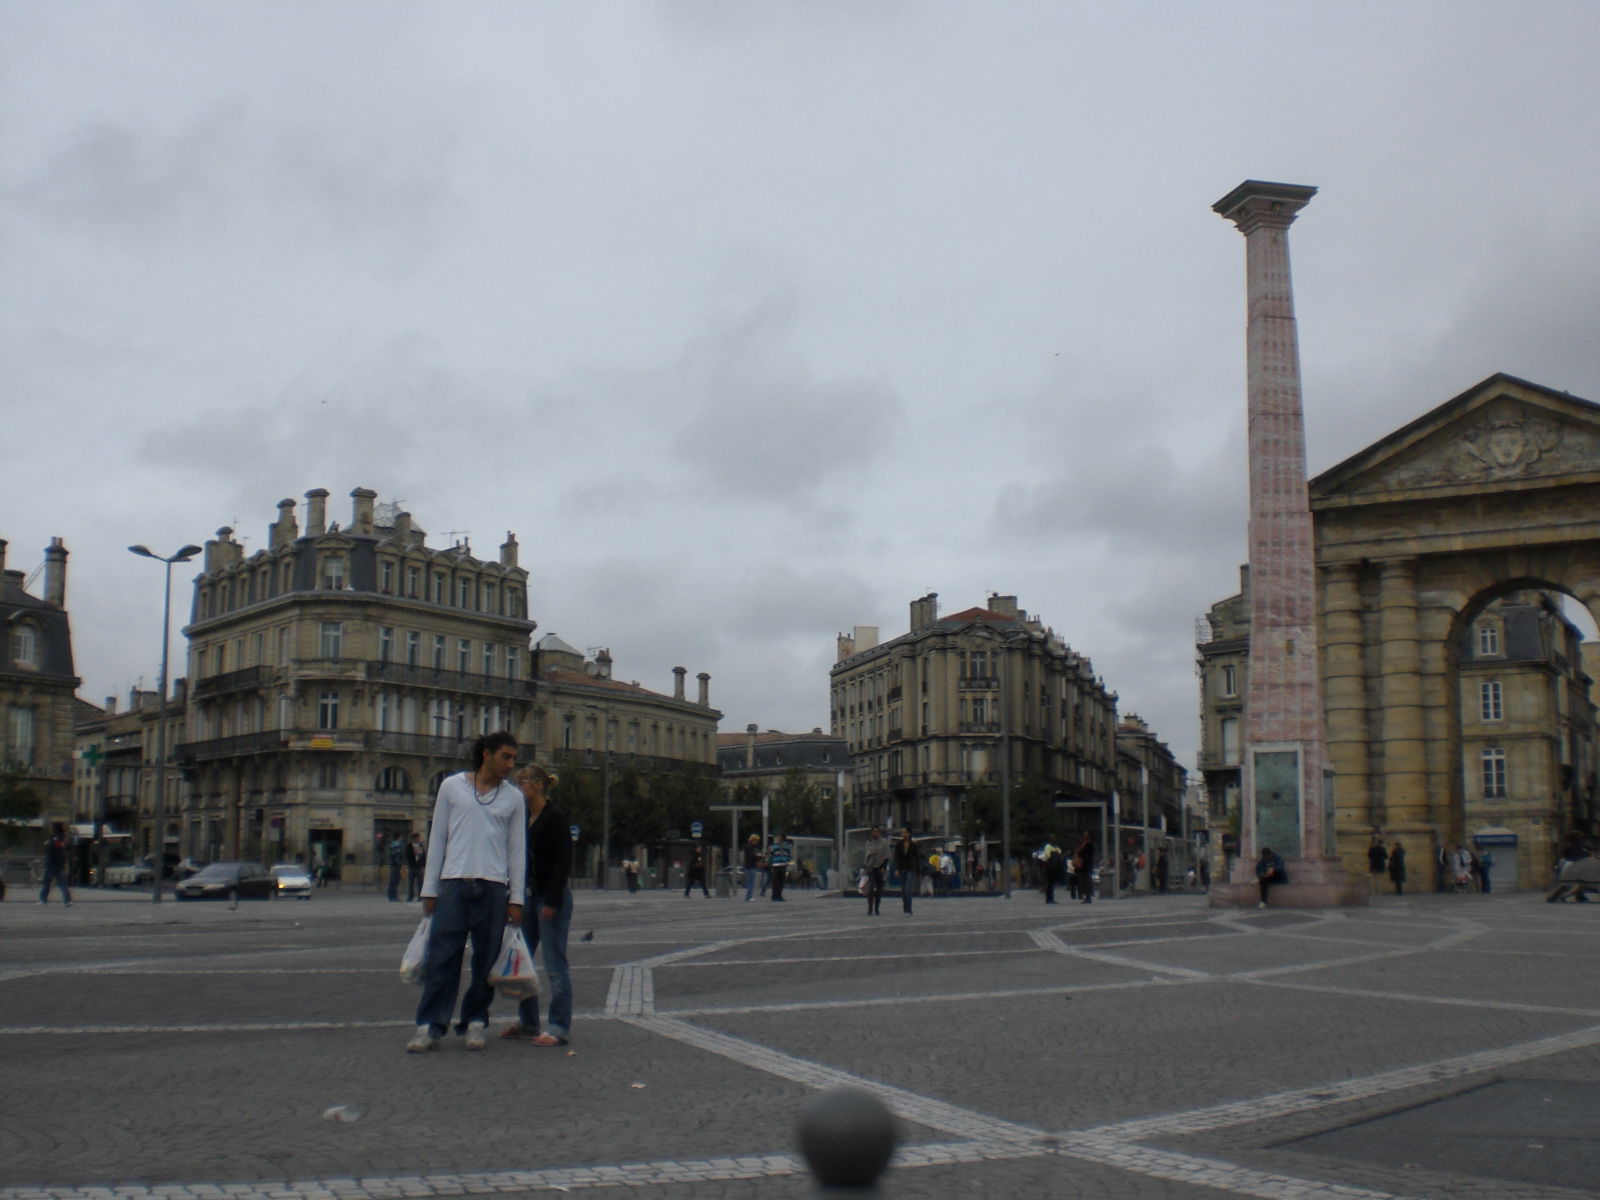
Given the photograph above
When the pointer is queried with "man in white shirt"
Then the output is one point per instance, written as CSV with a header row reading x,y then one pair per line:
x,y
476,872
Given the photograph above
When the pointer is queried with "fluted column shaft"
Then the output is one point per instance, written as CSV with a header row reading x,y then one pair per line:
x,y
1404,767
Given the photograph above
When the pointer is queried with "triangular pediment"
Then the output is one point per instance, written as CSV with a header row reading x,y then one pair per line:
x,y
1505,434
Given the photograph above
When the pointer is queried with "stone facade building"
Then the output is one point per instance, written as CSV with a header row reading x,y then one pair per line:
x,y
1486,504
336,676
963,701
117,750
765,758
38,709
1151,792
582,713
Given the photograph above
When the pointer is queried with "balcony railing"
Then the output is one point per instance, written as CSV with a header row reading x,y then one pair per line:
x,y
239,746
418,743
232,681
986,682
448,680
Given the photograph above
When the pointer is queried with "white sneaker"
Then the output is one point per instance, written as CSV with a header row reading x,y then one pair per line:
x,y
422,1041
477,1035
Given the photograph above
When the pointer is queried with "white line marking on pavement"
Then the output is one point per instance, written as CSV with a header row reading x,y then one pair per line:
x,y
935,1114
1303,1099
1414,998
1049,941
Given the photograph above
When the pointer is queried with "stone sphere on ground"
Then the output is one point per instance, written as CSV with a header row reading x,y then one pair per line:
x,y
847,1136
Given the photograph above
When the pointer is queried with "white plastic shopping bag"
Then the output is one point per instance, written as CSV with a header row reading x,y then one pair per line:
x,y
512,974
414,962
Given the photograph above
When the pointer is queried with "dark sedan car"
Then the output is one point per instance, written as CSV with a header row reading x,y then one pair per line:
x,y
229,881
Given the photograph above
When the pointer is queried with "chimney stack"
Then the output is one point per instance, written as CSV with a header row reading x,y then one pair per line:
x,y
284,530
508,550
705,689
924,612
2,554
677,682
316,512
846,647
750,746
55,573
361,510
602,663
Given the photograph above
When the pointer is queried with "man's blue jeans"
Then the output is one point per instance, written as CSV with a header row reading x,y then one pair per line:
x,y
59,878
464,908
547,937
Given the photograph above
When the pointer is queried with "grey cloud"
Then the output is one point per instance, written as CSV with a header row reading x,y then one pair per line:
x,y
111,178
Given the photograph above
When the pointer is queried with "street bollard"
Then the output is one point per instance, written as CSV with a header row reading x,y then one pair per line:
x,y
847,1137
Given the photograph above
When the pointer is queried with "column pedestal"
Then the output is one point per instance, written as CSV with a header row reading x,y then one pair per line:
x,y
1313,883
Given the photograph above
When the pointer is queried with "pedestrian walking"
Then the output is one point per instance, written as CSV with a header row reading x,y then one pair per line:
x,y
1483,864
397,862
55,866
630,871
477,869
1397,868
547,916
778,859
1050,864
1162,868
1083,857
416,862
908,863
875,862
752,865
697,873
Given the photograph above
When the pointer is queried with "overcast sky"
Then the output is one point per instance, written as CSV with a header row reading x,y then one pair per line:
x,y
756,321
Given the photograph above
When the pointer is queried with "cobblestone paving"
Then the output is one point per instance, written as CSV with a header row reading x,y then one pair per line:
x,y
1148,1047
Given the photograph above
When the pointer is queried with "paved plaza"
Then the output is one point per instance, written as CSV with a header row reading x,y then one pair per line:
x,y
1437,1046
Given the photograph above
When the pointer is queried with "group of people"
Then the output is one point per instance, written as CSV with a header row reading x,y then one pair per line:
x,y
499,851
1076,870
880,854
770,867
410,856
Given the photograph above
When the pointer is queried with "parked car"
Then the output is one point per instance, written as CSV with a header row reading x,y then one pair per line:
x,y
293,880
229,881
188,867
132,874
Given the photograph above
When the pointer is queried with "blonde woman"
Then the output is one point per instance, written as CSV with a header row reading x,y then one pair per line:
x,y
547,916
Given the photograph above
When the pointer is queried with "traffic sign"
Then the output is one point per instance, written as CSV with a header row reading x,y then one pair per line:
x,y
574,830
696,829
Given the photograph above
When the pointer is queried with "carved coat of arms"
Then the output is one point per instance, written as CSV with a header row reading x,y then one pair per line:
x,y
1506,447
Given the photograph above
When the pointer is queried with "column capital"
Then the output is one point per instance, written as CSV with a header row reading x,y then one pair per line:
x,y
1255,204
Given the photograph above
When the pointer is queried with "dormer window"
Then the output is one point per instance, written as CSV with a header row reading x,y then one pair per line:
x,y
25,646
333,572
1488,639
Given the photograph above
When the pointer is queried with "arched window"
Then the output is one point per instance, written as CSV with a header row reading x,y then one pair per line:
x,y
437,782
393,779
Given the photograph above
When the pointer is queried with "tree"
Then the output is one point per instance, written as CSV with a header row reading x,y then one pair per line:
x,y
797,806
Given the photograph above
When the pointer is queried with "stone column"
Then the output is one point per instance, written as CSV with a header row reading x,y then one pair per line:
x,y
1345,696
1284,744
1404,772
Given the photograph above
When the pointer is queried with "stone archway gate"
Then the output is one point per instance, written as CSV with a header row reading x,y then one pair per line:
x,y
1496,489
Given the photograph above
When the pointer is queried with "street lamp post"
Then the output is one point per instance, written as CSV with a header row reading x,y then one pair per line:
x,y
182,555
